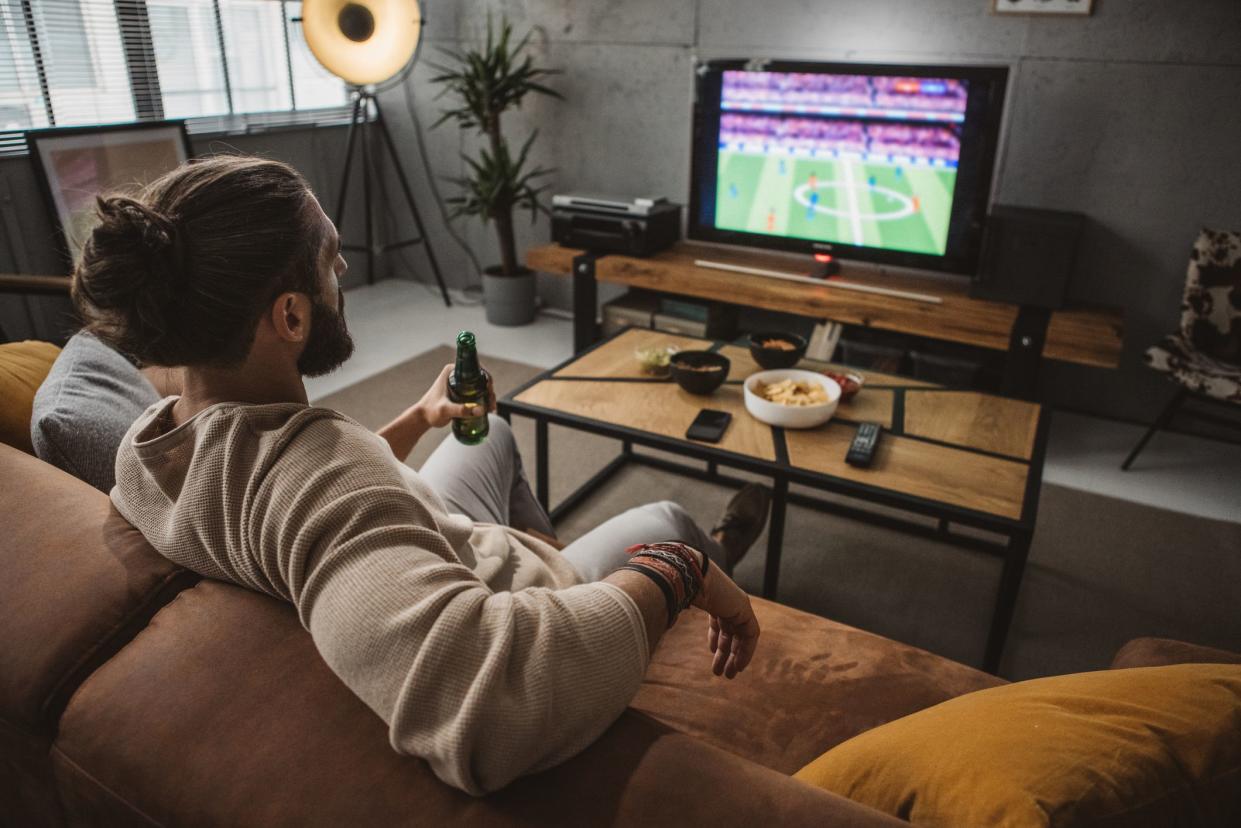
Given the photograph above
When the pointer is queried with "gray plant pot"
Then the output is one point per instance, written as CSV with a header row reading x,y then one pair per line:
x,y
509,300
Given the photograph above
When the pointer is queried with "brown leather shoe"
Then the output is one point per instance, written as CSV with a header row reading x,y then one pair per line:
x,y
742,522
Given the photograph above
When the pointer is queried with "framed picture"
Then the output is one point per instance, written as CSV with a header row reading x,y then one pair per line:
x,y
1078,7
75,164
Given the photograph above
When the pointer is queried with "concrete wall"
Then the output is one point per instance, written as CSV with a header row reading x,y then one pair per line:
x,y
1130,116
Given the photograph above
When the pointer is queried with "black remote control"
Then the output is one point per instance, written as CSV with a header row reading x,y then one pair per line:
x,y
862,449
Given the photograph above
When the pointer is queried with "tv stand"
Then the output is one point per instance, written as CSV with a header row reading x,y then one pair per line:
x,y
825,280
1083,335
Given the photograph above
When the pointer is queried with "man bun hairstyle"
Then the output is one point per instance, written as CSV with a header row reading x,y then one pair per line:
x,y
182,273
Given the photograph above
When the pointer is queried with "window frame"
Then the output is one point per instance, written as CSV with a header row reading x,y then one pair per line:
x,y
138,48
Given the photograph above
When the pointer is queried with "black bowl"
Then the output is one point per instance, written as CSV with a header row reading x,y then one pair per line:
x,y
699,381
773,358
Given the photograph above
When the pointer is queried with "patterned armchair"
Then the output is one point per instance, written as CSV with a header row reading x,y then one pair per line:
x,y
1204,355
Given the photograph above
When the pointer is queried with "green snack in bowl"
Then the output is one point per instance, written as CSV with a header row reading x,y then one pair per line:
x,y
654,359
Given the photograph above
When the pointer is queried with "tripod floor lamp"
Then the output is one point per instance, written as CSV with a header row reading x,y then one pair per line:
x,y
371,45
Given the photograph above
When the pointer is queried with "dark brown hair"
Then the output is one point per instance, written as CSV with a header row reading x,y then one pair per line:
x,y
181,274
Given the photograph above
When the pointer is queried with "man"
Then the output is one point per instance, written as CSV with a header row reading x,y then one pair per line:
x,y
487,651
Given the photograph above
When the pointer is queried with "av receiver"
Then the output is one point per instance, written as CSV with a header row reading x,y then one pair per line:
x,y
631,226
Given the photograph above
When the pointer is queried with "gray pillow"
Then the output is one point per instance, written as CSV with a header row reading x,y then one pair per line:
x,y
82,410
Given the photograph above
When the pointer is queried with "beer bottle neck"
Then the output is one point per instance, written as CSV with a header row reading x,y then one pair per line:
x,y
467,358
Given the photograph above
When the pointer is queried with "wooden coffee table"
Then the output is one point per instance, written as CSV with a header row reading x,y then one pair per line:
x,y
965,458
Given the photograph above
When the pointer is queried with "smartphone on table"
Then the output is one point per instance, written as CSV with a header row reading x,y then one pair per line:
x,y
709,426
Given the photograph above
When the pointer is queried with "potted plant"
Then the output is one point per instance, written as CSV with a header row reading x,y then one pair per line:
x,y
488,81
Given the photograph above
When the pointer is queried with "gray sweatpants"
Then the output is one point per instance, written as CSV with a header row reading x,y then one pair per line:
x,y
487,484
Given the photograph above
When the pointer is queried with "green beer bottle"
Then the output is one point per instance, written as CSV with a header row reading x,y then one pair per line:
x,y
468,383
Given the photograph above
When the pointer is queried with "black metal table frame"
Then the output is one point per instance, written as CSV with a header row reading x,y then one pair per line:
x,y
1014,550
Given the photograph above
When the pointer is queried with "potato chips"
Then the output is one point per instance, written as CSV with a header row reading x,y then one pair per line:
x,y
792,392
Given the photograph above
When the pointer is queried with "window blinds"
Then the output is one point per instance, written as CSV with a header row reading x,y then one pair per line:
x,y
224,65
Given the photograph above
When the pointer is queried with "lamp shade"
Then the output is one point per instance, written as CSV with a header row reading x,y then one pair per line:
x,y
362,41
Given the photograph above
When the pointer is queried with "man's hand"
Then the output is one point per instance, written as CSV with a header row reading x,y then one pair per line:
x,y
732,634
434,410
437,410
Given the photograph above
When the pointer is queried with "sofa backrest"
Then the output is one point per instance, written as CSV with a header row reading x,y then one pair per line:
x,y
76,584
133,693
222,713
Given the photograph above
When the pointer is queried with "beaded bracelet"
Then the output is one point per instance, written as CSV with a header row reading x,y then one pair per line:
x,y
675,569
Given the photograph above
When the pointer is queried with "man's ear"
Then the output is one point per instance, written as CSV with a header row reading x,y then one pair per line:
x,y
290,317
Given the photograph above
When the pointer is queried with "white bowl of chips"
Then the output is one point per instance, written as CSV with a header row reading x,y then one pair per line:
x,y
791,398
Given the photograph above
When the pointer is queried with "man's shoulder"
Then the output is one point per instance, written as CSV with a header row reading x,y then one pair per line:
x,y
315,441
320,461
322,433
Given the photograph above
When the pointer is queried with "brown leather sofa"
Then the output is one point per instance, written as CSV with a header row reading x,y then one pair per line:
x,y
134,692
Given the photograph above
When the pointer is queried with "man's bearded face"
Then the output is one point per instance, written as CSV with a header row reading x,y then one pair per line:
x,y
329,343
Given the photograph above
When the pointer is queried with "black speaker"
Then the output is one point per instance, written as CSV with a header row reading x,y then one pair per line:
x,y
1027,256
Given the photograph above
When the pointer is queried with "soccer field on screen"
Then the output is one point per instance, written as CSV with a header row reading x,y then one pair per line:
x,y
889,206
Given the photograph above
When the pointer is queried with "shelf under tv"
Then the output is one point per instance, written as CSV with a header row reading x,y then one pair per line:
x,y
1083,335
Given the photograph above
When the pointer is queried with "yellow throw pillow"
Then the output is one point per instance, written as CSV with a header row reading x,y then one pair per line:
x,y
23,367
1143,746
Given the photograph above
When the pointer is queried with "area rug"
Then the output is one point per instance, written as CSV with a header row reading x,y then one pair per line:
x,y
1101,570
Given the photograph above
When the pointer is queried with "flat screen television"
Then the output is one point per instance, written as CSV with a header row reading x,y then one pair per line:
x,y
880,163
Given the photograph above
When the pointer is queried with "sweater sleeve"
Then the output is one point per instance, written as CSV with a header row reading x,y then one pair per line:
x,y
484,686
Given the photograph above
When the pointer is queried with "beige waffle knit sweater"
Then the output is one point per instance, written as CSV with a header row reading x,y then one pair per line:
x,y
476,644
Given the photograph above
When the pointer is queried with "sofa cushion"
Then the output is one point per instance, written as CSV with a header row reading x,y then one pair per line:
x,y
1157,652
81,412
221,712
813,683
1144,746
77,582
23,367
